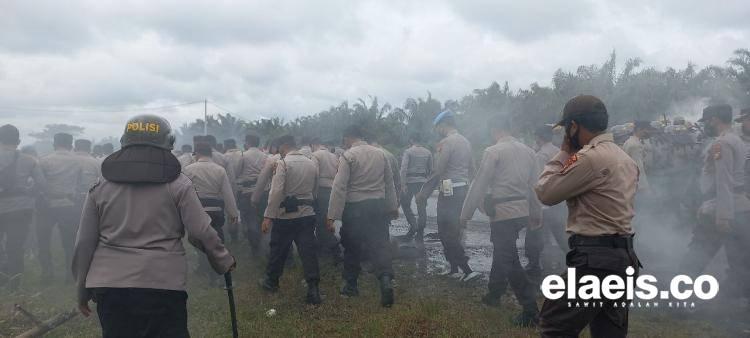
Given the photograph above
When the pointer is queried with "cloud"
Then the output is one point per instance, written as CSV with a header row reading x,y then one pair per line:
x,y
289,58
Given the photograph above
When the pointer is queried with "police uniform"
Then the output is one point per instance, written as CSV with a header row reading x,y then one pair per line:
x,y
17,206
504,183
454,165
553,222
291,206
251,164
362,197
598,183
259,199
217,158
234,159
723,179
215,193
129,255
327,164
635,149
416,166
306,151
62,170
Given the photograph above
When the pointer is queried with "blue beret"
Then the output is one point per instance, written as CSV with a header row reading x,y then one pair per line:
x,y
442,116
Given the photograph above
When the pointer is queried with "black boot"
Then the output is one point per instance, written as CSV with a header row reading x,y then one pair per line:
x,y
313,293
492,299
386,291
269,285
350,288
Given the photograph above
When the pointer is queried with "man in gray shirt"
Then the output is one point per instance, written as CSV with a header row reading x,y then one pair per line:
x,y
454,168
62,169
416,166
129,255
20,179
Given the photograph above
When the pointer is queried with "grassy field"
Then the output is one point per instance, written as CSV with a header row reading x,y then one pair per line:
x,y
427,306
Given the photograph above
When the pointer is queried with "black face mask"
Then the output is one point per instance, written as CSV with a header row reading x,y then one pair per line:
x,y
575,145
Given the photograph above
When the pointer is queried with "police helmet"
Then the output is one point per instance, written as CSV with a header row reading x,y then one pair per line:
x,y
149,130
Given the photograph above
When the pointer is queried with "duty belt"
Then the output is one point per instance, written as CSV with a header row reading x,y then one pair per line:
x,y
508,199
609,241
248,184
212,204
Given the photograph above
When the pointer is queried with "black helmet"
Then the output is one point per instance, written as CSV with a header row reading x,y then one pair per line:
x,y
149,130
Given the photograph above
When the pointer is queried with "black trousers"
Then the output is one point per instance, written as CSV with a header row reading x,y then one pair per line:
x,y
506,266
217,222
66,220
301,231
557,319
14,226
364,233
327,242
131,313
554,224
416,225
449,226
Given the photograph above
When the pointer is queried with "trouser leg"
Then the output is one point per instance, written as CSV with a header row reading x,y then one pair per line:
x,y
44,226
15,225
704,245
738,256
141,313
306,247
68,227
449,227
327,242
533,247
503,237
406,199
282,236
377,243
217,223
351,240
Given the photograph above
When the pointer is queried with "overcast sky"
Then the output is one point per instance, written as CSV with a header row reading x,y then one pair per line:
x,y
289,58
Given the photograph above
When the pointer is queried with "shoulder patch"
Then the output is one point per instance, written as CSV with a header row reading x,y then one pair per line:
x,y
570,161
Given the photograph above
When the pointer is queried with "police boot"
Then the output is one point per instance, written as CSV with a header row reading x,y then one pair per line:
x,y
386,291
526,319
350,288
313,293
492,299
266,283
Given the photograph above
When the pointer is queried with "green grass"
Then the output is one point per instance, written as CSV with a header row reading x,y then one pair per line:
x,y
427,306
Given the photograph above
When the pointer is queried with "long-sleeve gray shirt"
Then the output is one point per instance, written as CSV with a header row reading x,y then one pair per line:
x,y
508,171
453,161
28,180
296,175
724,178
363,174
211,182
416,165
328,164
130,236
251,164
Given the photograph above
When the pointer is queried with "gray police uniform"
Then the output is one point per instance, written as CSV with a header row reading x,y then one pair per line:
x,y
62,169
598,183
504,182
453,162
363,193
234,159
21,179
327,163
294,182
250,166
416,166
259,200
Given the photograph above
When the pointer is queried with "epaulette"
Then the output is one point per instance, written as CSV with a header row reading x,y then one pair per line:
x,y
96,184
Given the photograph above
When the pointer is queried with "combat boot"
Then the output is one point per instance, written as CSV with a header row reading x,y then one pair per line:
x,y
492,299
386,291
269,285
313,293
350,288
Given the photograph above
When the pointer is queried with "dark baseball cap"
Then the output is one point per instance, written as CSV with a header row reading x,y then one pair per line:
x,y
581,106
721,111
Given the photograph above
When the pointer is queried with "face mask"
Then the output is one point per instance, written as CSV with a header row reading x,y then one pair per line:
x,y
573,139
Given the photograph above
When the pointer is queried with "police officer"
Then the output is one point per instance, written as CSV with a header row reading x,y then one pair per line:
x,y
553,218
635,148
62,169
504,183
234,159
723,219
214,191
328,164
599,181
90,170
251,164
364,199
454,167
216,157
306,146
290,216
259,197
393,163
16,201
129,255
416,166
187,155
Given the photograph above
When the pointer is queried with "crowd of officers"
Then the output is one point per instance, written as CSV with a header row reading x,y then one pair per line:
x,y
297,191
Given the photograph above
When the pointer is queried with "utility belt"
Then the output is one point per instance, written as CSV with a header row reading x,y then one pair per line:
x,y
292,204
248,184
490,202
447,186
212,204
609,241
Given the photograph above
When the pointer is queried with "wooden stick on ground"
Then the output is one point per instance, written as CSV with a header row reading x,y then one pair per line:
x,y
48,325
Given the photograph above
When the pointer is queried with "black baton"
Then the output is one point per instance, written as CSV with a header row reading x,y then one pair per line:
x,y
232,311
